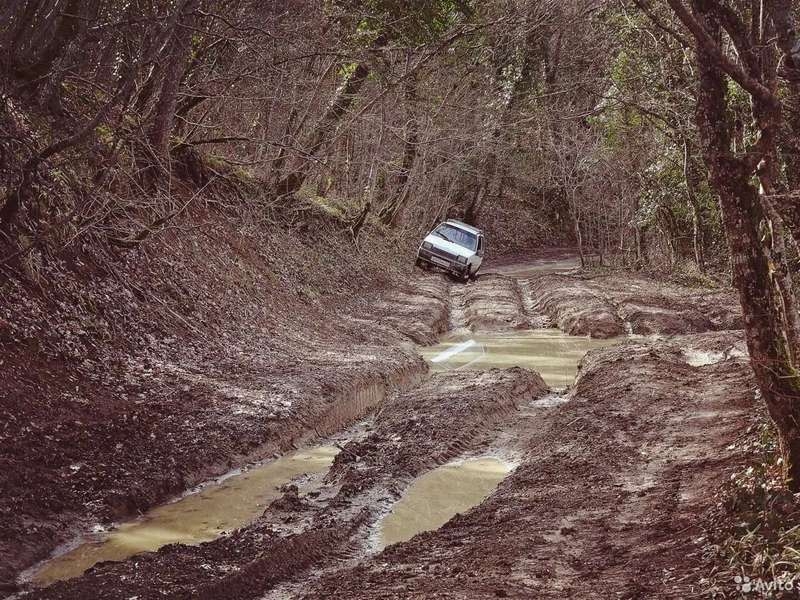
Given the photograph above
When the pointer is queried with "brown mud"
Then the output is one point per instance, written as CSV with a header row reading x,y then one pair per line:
x,y
607,501
610,305
127,379
612,478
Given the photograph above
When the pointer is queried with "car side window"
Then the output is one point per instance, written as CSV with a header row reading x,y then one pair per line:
x,y
480,245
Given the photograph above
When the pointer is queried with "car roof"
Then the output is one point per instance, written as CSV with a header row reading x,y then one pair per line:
x,y
464,226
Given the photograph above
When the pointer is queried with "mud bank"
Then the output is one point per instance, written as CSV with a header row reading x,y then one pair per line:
x,y
132,381
607,501
613,474
608,306
449,415
196,420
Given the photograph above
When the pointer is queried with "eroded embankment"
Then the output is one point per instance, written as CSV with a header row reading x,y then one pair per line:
x,y
646,420
449,415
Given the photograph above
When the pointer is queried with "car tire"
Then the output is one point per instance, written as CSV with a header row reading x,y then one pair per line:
x,y
419,263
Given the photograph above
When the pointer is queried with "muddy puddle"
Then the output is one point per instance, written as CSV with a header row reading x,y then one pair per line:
x,y
229,503
436,497
552,353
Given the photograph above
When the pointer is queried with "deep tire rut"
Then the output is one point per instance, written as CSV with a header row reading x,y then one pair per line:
x,y
609,483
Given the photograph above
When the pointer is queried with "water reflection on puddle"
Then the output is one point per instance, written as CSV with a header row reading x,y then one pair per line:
x,y
196,518
555,355
439,495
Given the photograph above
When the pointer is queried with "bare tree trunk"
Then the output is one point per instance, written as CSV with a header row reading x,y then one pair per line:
x,y
783,280
410,143
698,236
70,24
767,340
789,43
576,218
24,23
337,109
179,52
16,198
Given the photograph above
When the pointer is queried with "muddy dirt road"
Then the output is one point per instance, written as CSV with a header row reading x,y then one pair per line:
x,y
515,462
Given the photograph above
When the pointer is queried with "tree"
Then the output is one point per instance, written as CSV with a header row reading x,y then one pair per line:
x,y
757,216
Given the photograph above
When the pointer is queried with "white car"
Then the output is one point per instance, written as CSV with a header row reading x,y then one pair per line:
x,y
454,246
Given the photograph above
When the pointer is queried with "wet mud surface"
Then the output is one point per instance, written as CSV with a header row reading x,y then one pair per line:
x,y
207,514
551,353
607,306
84,453
607,498
610,481
439,495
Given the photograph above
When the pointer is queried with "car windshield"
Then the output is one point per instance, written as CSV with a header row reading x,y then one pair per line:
x,y
457,236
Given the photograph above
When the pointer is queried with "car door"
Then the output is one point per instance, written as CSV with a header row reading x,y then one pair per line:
x,y
479,253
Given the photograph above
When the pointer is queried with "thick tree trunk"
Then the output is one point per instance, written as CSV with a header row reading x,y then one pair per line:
x,y
70,24
788,40
743,216
23,25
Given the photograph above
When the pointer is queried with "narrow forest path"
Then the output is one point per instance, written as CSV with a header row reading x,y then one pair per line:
x,y
607,478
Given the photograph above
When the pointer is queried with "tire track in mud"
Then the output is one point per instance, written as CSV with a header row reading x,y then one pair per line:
x,y
608,501
420,312
608,306
457,320
492,303
573,306
260,399
447,416
600,488
536,318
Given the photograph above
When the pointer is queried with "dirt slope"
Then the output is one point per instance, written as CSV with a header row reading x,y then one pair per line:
x,y
131,378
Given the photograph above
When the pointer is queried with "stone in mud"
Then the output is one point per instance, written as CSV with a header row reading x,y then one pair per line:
x,y
290,501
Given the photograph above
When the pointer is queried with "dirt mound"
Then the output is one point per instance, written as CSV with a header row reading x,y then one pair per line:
x,y
606,306
574,306
494,302
436,422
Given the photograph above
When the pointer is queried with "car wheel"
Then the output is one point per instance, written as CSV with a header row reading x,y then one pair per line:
x,y
418,263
